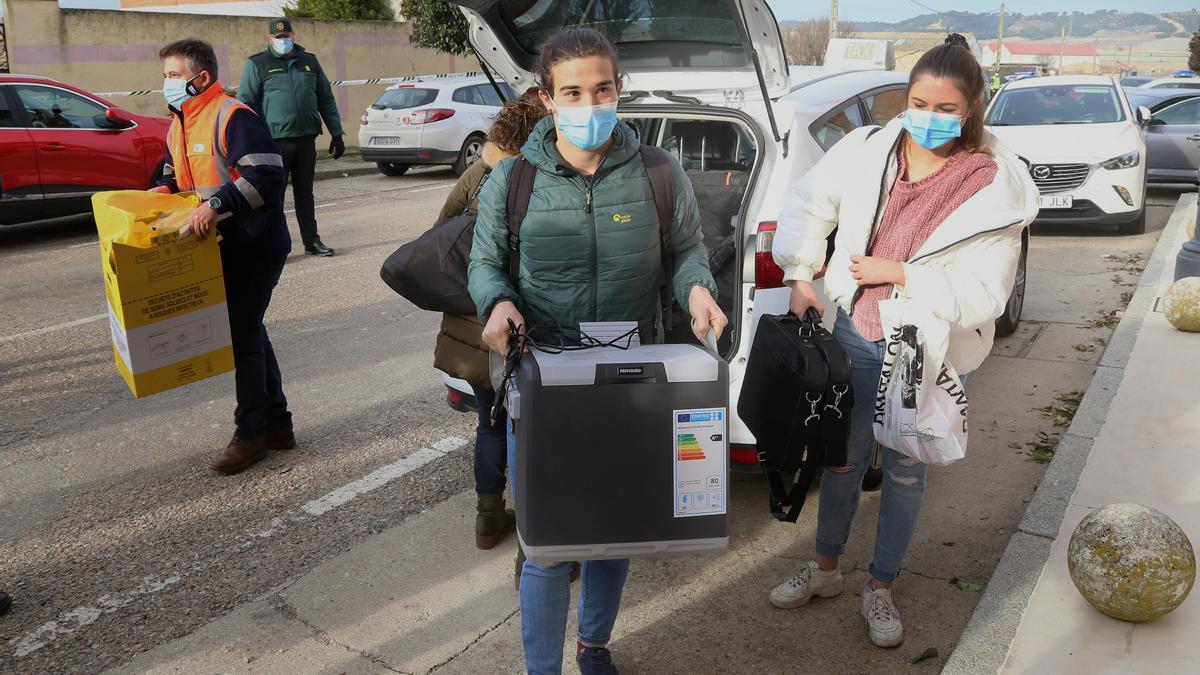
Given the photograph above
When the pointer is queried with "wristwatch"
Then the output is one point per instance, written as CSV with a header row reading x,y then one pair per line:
x,y
214,203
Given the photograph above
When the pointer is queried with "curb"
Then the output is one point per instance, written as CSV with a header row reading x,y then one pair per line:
x,y
363,169
984,644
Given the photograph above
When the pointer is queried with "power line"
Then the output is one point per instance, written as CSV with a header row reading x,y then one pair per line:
x,y
935,11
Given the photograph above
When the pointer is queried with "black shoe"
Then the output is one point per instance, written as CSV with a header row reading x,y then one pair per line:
x,y
317,248
5,603
594,660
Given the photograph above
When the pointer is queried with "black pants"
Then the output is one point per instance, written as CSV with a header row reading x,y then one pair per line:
x,y
249,280
300,163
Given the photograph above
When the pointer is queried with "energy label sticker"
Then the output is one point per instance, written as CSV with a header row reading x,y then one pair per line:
x,y
701,462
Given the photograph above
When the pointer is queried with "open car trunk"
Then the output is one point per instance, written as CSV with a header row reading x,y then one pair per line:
x,y
719,153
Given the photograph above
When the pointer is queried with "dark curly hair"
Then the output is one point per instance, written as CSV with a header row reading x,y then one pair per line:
x,y
576,42
516,121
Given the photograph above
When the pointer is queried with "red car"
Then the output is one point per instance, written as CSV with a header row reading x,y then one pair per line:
x,y
59,144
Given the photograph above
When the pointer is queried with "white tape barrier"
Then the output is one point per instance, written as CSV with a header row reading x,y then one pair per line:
x,y
335,83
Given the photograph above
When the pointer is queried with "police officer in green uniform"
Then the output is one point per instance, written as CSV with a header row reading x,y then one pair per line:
x,y
286,86
995,83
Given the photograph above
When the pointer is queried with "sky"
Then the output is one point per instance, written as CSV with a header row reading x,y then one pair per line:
x,y
898,10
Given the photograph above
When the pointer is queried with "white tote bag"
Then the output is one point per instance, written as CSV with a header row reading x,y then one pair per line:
x,y
921,405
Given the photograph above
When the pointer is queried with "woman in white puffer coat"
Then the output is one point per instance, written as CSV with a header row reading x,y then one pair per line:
x,y
930,209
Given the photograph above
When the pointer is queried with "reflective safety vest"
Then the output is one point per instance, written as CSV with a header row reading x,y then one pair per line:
x,y
197,142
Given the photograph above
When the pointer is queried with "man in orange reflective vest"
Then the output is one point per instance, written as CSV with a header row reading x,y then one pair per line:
x,y
220,149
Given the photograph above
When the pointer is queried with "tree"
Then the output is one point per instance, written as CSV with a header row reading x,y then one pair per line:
x,y
437,25
1194,52
366,10
806,43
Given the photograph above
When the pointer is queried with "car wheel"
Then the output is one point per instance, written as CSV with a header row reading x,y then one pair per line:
x,y
1137,225
1007,323
472,150
391,168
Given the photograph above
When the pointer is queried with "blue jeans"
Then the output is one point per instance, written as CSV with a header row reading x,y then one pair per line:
x,y
903,477
546,597
491,453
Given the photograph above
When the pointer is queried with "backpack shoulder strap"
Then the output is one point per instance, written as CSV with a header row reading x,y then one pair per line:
x,y
662,185
520,188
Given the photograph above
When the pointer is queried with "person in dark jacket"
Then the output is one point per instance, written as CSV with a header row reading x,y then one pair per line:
x,y
286,86
219,149
461,351
589,251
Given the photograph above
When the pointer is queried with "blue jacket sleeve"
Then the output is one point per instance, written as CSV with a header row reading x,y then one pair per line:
x,y
261,178
168,176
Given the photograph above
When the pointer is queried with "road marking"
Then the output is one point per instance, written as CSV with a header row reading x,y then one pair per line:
x,y
51,329
436,187
70,621
86,243
321,206
382,476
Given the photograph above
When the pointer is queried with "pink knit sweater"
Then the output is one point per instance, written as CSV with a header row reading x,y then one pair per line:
x,y
913,212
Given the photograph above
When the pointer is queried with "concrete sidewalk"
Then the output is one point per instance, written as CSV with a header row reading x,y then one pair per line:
x,y
350,164
1136,440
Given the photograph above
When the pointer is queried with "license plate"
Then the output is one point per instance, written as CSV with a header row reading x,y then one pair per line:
x,y
1055,201
387,140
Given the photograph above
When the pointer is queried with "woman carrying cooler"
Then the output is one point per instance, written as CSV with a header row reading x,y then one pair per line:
x,y
930,209
578,263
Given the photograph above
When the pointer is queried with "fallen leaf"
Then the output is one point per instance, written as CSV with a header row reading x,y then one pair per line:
x,y
967,585
929,653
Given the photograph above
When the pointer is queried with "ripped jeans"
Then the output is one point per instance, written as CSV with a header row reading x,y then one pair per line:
x,y
903,477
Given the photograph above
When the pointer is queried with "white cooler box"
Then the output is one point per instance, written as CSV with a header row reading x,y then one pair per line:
x,y
621,453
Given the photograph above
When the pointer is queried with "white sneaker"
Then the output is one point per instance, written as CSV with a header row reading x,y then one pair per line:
x,y
809,581
883,620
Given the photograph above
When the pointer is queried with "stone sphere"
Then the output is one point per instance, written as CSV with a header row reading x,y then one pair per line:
x,y
1131,562
1181,304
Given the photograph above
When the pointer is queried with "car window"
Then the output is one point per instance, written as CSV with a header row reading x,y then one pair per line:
x,y
489,95
885,105
1185,112
403,98
509,93
1056,104
1178,85
7,116
468,96
834,128
53,108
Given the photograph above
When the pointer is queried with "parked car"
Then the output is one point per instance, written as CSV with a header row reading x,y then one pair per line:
x,y
1172,134
433,119
1132,81
1084,146
59,145
743,132
1169,83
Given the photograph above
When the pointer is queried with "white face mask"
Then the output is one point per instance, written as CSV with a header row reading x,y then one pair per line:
x,y
282,45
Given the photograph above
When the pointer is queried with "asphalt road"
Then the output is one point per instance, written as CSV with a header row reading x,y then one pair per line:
x,y
117,537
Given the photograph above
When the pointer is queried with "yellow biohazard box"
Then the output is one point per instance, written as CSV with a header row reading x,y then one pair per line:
x,y
166,293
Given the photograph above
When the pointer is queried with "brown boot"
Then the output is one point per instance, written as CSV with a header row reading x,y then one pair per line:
x,y
240,454
280,440
492,521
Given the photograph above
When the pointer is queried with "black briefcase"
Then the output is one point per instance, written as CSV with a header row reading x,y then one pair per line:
x,y
796,400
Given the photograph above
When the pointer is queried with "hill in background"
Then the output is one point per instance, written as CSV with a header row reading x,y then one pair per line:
x,y
1103,25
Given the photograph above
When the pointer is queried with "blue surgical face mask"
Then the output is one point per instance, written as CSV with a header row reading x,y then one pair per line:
x,y
282,45
932,130
176,91
587,127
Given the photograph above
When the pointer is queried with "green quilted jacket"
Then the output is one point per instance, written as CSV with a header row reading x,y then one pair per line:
x,y
589,249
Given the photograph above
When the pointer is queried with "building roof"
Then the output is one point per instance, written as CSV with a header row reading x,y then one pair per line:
x,y
1045,49
911,41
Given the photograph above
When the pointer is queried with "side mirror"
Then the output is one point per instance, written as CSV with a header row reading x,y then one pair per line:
x,y
118,118
1144,115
